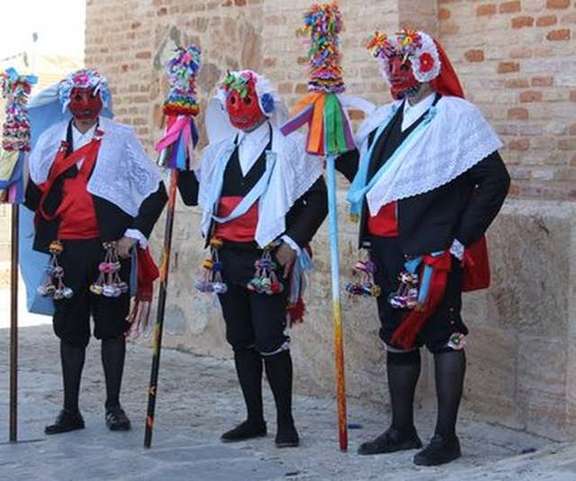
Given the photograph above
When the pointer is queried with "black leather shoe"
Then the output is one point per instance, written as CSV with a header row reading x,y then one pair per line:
x,y
391,441
116,419
245,430
287,436
439,451
65,422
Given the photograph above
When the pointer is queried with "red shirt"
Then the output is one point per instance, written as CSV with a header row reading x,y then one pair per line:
x,y
77,214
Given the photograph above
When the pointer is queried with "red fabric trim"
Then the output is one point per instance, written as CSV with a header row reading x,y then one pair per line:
x,y
476,266
385,223
447,83
242,229
295,312
148,272
405,334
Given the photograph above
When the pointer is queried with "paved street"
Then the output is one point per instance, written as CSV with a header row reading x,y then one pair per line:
x,y
198,399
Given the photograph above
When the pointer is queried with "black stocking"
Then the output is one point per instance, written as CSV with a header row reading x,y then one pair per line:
x,y
72,358
113,355
249,369
279,374
450,369
403,372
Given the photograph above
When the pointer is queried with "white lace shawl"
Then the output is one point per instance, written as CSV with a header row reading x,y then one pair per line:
x,y
457,138
294,173
124,174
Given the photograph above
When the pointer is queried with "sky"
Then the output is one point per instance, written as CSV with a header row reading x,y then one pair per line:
x,y
59,25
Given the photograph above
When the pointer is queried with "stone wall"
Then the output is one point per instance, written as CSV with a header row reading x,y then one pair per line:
x,y
517,61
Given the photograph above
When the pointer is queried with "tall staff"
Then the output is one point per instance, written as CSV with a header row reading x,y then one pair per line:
x,y
175,153
15,146
329,135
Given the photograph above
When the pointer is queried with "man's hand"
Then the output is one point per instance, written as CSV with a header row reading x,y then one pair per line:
x,y
124,247
286,257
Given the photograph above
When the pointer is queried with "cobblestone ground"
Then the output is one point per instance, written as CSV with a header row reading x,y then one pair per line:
x,y
198,399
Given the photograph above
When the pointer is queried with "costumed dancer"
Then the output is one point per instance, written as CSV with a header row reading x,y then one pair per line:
x,y
427,181
96,196
263,199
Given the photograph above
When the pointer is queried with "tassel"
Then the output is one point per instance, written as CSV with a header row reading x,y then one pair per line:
x,y
53,284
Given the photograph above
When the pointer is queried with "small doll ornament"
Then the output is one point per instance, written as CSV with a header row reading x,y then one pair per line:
x,y
211,281
362,283
406,296
53,285
265,280
109,283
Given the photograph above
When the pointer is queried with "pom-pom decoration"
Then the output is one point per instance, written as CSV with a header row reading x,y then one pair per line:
x,y
329,127
15,134
176,147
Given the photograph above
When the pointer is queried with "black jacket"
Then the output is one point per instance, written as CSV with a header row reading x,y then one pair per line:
x,y
462,209
112,221
303,219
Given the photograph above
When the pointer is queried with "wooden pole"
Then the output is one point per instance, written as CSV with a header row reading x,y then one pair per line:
x,y
336,305
14,326
159,325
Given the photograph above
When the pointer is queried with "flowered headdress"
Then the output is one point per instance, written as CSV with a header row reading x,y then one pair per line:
x,y
417,47
84,78
427,57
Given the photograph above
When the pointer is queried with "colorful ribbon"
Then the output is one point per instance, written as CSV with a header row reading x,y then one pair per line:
x,y
177,144
329,130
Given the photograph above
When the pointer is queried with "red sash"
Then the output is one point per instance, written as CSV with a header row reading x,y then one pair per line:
x,y
241,229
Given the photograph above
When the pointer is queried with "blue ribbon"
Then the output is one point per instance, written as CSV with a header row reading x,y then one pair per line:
x,y
249,199
359,188
303,264
134,272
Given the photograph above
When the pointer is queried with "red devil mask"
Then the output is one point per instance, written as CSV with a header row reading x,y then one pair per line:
x,y
85,104
244,111
402,80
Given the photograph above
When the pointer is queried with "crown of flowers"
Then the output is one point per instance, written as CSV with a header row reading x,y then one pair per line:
x,y
417,47
182,69
245,81
85,79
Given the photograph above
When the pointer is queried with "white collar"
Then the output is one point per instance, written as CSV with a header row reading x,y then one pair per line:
x,y
80,139
251,145
413,112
